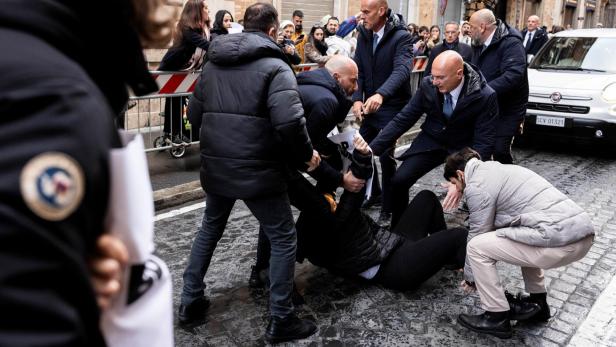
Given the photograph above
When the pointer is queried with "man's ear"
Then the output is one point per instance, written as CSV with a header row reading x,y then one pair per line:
x,y
460,174
273,33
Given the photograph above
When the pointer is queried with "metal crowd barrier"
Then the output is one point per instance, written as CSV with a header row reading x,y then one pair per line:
x,y
146,114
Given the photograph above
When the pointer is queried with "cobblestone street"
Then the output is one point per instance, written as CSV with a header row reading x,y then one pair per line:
x,y
351,313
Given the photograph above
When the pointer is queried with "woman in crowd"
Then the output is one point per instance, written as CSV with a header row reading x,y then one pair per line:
x,y
435,37
287,28
191,40
519,218
420,48
316,47
414,31
346,241
222,23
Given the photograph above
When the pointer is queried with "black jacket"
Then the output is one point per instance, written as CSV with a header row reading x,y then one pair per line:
x,y
465,51
472,123
503,64
179,55
60,92
252,116
387,71
350,242
325,105
539,39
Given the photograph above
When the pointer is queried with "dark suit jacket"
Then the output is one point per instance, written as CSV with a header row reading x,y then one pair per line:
x,y
503,64
539,39
386,71
465,51
472,123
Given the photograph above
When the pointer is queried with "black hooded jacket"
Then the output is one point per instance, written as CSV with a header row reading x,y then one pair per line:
x,y
64,75
472,123
503,64
251,118
325,105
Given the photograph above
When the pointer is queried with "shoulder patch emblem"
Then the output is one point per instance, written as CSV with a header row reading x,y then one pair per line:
x,y
52,185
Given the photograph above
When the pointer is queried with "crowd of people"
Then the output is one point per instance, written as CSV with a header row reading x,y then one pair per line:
x,y
258,139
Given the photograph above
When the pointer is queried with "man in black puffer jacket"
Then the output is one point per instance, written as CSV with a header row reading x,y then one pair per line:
x,y
499,54
252,127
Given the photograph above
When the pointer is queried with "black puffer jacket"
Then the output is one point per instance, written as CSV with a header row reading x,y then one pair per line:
x,y
253,120
59,93
352,242
326,105
503,64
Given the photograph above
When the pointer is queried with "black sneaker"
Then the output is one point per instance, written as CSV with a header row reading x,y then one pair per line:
x,y
540,300
194,313
375,200
493,323
288,329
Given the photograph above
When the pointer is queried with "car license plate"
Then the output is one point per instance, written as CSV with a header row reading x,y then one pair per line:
x,y
551,121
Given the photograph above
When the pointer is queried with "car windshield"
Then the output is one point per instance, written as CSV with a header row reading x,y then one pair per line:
x,y
577,53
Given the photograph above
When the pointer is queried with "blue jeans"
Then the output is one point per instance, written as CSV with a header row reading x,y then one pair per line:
x,y
275,217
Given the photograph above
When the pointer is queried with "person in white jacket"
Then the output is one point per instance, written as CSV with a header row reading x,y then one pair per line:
x,y
517,217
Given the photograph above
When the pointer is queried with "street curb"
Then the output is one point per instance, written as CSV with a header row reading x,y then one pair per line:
x,y
191,191
178,195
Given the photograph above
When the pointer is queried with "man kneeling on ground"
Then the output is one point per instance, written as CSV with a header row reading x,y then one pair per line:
x,y
518,217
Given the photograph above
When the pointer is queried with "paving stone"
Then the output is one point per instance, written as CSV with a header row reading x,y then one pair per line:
x,y
353,313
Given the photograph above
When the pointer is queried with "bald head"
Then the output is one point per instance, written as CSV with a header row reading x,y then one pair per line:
x,y
344,71
447,71
483,24
533,23
373,13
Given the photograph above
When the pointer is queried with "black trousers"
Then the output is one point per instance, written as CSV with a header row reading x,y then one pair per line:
x,y
502,149
174,110
428,245
411,170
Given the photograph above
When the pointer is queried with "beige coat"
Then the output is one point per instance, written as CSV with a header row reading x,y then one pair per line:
x,y
522,206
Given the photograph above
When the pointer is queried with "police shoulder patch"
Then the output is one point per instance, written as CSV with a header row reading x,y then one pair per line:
x,y
52,185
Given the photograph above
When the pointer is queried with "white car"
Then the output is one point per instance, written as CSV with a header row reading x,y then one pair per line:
x,y
572,83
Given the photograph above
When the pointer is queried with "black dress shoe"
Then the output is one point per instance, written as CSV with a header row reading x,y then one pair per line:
x,y
493,323
255,280
373,201
288,329
194,313
539,299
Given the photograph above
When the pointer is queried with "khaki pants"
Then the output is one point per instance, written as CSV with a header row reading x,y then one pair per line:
x,y
484,250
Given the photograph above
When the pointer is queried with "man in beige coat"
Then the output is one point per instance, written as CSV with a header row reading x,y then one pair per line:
x,y
517,217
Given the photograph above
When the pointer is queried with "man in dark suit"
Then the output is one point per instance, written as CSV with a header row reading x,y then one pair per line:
x,y
461,111
383,56
534,36
500,56
451,42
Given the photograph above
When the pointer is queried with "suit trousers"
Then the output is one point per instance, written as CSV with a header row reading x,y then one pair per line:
x,y
483,251
412,169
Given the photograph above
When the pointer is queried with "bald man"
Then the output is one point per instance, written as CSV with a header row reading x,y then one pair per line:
x,y
325,95
499,54
383,56
461,111
534,36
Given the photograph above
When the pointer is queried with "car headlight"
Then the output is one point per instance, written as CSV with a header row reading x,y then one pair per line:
x,y
609,93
